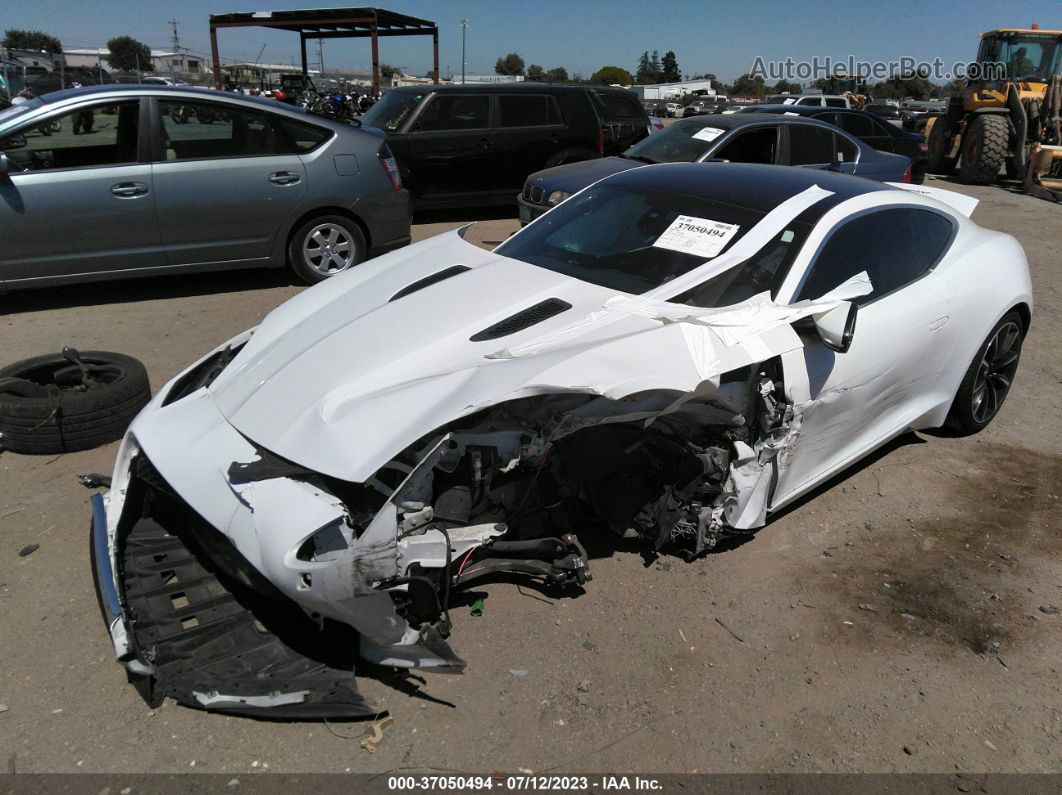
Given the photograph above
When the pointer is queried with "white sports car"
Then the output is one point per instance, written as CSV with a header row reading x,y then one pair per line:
x,y
671,354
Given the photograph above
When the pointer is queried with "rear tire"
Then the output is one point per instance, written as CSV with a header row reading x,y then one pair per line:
x,y
988,379
324,246
984,149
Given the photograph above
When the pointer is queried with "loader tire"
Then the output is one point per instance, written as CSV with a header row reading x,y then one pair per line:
x,y
984,149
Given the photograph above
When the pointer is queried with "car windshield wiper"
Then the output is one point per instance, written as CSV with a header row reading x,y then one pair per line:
x,y
639,158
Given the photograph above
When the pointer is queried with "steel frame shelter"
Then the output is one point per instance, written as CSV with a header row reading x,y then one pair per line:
x,y
329,23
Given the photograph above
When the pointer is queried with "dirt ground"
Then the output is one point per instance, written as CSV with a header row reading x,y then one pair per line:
x,y
896,620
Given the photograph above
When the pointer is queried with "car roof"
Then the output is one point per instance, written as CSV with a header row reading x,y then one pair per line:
x,y
493,88
156,90
758,187
726,121
812,110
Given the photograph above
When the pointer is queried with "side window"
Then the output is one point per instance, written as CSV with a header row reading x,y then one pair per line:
x,y
809,101
527,110
859,126
619,106
455,112
836,103
753,146
810,145
847,151
300,137
894,246
827,116
199,130
99,135
881,128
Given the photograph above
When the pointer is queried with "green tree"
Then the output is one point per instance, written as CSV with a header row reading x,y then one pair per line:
x,y
612,74
785,87
749,86
644,74
654,64
558,74
30,40
671,73
536,73
511,64
386,70
129,55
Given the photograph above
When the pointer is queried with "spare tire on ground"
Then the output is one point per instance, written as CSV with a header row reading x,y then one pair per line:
x,y
69,401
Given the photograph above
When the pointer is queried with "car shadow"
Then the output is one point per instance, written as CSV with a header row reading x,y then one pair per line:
x,y
501,212
147,288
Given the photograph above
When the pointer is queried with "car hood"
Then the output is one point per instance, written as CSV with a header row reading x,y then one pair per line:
x,y
574,177
344,376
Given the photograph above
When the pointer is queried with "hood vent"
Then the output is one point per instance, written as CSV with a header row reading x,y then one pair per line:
x,y
428,281
523,319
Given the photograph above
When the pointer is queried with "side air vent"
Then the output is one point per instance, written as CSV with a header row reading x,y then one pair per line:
x,y
428,281
523,319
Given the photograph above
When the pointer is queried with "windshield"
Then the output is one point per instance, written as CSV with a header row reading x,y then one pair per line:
x,y
392,109
1026,55
682,142
634,240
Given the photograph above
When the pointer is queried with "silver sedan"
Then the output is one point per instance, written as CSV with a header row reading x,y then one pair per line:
x,y
131,180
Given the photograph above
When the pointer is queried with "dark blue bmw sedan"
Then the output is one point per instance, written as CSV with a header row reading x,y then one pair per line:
x,y
737,138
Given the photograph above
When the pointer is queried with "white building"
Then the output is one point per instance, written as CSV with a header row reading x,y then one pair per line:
x,y
489,78
669,91
163,61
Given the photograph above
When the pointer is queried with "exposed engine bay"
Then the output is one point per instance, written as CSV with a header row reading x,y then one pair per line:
x,y
502,491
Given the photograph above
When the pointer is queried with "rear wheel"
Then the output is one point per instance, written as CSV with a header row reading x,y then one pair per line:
x,y
324,246
989,377
984,149
939,143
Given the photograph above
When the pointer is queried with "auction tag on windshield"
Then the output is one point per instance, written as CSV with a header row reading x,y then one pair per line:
x,y
707,133
697,236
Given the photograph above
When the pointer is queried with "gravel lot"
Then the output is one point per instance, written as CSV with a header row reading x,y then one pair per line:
x,y
638,673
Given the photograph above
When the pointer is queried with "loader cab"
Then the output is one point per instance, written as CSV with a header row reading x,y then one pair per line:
x,y
1024,55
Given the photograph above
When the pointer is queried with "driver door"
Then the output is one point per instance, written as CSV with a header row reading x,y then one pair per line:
x,y
848,403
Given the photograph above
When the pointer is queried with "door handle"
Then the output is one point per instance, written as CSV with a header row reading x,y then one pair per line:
x,y
284,178
129,190
484,143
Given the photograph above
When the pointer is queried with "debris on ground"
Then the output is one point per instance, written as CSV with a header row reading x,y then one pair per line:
x,y
583,686
1051,610
477,608
374,734
869,608
31,548
736,636
518,672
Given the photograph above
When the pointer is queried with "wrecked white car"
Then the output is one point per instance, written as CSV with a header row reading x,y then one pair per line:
x,y
670,354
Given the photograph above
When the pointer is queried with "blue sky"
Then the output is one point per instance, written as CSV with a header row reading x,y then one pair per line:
x,y
581,35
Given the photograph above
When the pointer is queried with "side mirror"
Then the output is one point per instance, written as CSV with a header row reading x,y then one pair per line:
x,y
836,326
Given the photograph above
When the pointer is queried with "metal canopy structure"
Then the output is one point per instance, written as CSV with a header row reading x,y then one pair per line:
x,y
329,23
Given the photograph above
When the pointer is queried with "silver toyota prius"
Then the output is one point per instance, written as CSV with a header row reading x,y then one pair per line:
x,y
135,180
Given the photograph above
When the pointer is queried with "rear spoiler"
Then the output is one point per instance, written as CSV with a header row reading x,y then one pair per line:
x,y
956,201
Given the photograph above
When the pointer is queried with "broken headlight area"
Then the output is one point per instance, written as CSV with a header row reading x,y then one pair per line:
x,y
203,374
266,615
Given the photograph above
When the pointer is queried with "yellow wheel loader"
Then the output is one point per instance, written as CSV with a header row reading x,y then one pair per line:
x,y
1008,117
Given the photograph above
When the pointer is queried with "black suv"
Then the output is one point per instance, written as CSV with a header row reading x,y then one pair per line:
x,y
468,145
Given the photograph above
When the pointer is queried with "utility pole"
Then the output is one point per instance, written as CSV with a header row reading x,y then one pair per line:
x,y
464,27
320,54
176,44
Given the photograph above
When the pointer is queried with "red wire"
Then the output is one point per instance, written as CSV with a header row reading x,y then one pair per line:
x,y
464,562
